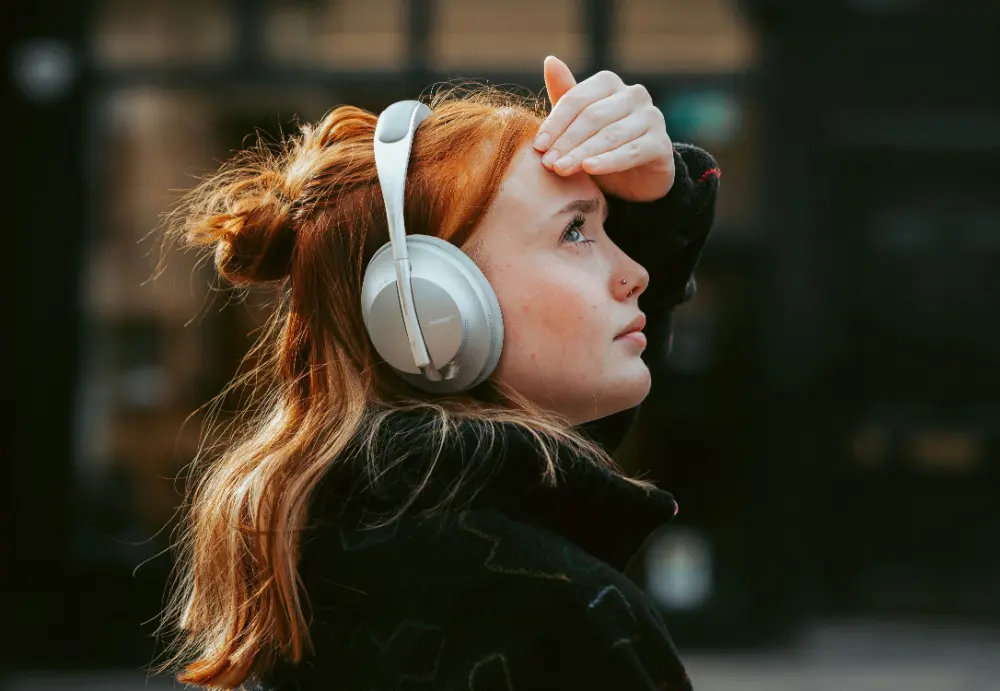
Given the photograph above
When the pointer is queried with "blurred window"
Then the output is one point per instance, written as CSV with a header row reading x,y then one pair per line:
x,y
690,36
152,32
338,34
725,122
471,35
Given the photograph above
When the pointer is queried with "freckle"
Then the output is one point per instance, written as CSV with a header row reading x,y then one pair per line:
x,y
526,308
532,357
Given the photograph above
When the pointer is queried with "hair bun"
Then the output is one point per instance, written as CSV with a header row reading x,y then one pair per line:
x,y
255,241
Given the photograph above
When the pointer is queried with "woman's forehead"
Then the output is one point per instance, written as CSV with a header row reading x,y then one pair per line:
x,y
530,189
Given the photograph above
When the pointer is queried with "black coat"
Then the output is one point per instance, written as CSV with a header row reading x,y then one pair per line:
x,y
524,588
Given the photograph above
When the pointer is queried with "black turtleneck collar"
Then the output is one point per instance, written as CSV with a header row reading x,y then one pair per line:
x,y
594,507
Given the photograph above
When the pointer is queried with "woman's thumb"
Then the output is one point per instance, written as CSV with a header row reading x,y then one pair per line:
x,y
558,78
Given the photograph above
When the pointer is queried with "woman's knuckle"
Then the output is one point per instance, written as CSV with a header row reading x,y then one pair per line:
x,y
571,103
613,132
610,78
653,116
593,115
639,93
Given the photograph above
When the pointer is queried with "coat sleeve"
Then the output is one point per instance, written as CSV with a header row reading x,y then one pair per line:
x,y
667,237
631,647
609,642
615,641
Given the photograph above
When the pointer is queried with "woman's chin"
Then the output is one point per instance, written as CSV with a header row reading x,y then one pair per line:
x,y
638,385
626,391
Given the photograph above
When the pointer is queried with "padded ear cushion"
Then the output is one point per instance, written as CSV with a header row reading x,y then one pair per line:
x,y
456,307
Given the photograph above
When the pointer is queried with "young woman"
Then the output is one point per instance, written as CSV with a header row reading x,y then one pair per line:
x,y
359,531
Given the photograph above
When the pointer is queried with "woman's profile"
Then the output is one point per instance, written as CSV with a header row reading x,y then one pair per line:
x,y
421,495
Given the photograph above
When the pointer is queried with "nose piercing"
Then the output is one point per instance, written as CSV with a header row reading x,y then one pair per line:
x,y
624,281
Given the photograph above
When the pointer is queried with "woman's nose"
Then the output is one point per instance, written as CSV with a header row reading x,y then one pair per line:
x,y
631,284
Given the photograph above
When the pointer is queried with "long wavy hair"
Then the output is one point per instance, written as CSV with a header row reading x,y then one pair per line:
x,y
303,215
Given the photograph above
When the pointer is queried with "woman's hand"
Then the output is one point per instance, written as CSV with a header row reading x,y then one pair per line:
x,y
608,129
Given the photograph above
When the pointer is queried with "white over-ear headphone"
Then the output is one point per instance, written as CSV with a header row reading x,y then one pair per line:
x,y
429,310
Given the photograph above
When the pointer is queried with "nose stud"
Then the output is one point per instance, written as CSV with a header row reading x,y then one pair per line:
x,y
623,282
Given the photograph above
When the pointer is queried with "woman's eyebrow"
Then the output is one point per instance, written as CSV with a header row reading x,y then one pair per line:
x,y
585,206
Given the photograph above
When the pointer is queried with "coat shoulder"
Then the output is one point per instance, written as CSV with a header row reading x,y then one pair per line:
x,y
463,553
478,595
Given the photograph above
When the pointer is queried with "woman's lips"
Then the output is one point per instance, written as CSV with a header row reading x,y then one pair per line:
x,y
636,338
632,334
637,324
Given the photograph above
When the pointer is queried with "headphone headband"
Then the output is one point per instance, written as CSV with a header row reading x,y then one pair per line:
x,y
393,142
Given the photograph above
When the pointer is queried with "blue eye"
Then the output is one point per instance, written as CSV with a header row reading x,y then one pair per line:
x,y
572,235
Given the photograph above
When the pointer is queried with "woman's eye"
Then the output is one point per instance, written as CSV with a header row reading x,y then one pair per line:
x,y
573,234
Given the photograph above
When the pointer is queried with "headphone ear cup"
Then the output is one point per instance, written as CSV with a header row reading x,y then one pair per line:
x,y
438,314
457,309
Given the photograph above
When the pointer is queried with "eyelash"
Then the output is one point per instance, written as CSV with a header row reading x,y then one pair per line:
x,y
576,224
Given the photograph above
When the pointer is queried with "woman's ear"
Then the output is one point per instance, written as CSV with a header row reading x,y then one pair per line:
x,y
558,78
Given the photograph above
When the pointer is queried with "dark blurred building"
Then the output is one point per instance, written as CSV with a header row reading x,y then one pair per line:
x,y
881,343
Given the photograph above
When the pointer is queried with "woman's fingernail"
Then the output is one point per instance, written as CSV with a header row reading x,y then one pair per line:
x,y
563,163
550,157
542,141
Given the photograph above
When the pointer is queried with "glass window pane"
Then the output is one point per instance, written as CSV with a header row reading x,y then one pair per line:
x,y
338,34
681,36
128,33
513,35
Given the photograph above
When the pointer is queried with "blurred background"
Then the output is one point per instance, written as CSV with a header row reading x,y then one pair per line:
x,y
829,420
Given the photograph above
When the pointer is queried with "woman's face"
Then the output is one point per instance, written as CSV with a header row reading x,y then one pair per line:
x,y
558,278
